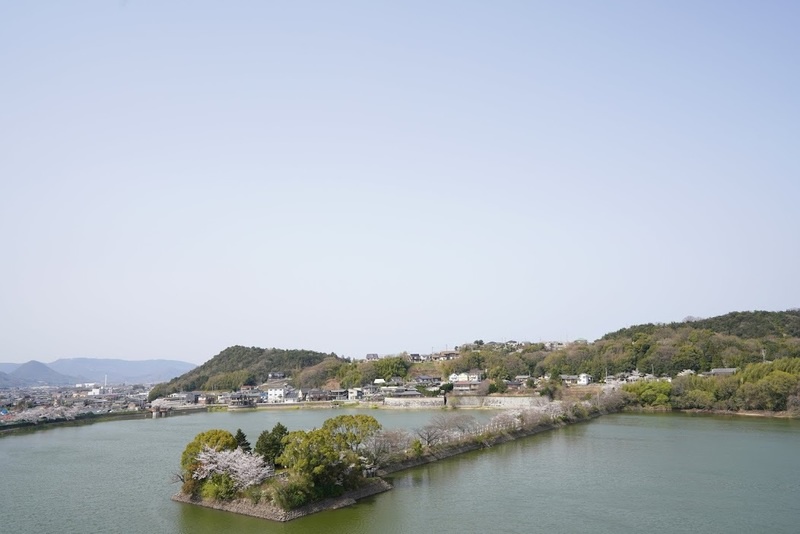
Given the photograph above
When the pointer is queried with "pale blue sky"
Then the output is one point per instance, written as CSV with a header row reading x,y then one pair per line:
x,y
354,177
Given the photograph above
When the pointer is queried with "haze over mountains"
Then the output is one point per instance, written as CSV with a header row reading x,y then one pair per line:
x,y
70,371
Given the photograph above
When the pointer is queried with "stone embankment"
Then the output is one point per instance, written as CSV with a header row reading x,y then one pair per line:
x,y
267,510
482,438
467,401
419,402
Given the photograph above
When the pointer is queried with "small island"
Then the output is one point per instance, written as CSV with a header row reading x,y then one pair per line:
x,y
288,475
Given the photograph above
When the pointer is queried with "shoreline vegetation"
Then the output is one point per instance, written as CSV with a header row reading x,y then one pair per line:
x,y
307,485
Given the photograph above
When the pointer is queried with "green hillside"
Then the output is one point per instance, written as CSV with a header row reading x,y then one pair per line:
x,y
746,325
237,366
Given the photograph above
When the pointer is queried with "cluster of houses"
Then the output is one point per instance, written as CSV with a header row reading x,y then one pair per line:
x,y
280,392
83,398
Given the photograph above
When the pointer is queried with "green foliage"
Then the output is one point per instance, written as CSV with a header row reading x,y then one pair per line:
x,y
416,448
326,461
349,376
158,391
237,366
500,386
657,349
270,444
769,393
219,487
216,439
293,492
241,440
772,386
351,431
254,494
655,393
747,325
387,368
314,457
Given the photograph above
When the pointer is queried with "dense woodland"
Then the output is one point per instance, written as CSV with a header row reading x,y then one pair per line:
x,y
732,340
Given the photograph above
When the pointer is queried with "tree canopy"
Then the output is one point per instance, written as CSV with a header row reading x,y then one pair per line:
x,y
215,439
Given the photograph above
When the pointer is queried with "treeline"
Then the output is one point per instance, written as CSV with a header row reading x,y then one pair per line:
x,y
658,349
747,325
771,386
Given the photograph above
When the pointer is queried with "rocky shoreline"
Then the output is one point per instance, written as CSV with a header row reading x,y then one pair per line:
x,y
267,510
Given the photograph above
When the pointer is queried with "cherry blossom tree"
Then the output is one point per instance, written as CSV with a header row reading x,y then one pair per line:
x,y
244,468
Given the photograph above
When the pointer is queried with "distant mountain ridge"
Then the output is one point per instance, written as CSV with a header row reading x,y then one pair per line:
x,y
6,368
70,371
121,371
35,373
5,380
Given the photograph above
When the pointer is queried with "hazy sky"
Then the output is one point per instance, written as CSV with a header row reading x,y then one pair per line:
x,y
354,177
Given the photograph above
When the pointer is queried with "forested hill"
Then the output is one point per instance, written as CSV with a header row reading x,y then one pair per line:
x,y
237,366
746,325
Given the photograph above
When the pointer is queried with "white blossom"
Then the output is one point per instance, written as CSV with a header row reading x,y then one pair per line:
x,y
244,468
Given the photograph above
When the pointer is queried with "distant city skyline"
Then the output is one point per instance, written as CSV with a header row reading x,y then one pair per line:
x,y
348,177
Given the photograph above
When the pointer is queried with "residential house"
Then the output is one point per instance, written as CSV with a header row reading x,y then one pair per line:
x,y
445,355
293,395
427,380
276,395
316,395
338,394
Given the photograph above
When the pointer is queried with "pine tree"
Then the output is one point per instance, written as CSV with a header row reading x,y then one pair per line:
x,y
241,440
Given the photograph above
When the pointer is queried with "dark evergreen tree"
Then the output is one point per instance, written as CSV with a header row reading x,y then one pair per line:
x,y
241,440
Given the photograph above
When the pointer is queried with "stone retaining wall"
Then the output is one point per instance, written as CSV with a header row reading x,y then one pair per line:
x,y
458,401
267,510
418,402
467,401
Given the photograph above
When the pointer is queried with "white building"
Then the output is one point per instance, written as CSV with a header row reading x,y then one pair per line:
x,y
276,395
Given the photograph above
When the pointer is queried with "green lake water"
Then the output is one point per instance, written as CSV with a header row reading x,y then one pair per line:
x,y
619,473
